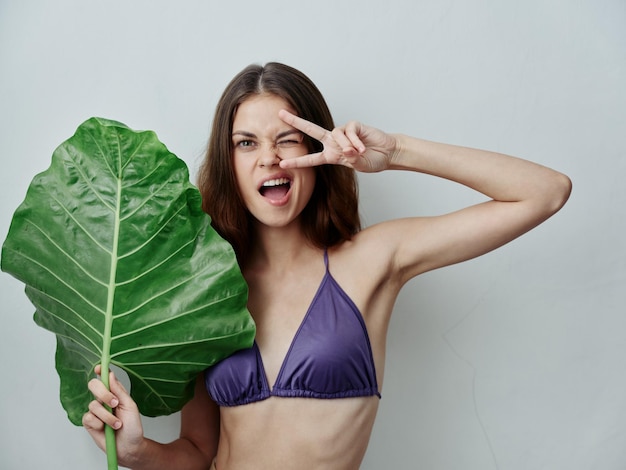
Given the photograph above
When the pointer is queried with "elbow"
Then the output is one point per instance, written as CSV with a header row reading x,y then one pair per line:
x,y
564,185
558,191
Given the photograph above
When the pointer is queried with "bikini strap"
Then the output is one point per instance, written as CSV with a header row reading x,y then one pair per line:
x,y
326,258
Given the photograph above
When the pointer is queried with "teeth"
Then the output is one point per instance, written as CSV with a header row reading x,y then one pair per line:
x,y
276,182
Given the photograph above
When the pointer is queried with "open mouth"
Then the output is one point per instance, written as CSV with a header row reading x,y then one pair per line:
x,y
275,189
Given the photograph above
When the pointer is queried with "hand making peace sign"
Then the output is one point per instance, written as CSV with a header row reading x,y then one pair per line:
x,y
354,145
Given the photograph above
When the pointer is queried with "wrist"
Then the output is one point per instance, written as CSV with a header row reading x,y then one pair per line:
x,y
137,456
398,154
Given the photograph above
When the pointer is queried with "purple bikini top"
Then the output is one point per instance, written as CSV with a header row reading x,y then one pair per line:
x,y
330,357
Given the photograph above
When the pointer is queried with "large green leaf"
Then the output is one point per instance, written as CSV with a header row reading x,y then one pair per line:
x,y
122,264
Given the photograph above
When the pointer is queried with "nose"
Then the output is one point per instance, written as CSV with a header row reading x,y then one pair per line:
x,y
269,156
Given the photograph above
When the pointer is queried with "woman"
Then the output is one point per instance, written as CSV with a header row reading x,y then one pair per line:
x,y
280,187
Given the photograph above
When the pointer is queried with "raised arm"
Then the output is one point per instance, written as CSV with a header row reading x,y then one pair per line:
x,y
521,195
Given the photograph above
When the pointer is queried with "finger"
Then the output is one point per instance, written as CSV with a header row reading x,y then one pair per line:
x,y
102,394
310,129
352,132
95,428
343,143
305,161
104,415
116,385
92,423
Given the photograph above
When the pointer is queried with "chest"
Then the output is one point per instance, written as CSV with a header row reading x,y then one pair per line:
x,y
323,351
278,307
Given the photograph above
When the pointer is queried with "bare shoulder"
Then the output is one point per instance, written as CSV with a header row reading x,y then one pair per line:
x,y
375,253
370,271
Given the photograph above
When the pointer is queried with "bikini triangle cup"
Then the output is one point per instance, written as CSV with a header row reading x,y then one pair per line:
x,y
329,357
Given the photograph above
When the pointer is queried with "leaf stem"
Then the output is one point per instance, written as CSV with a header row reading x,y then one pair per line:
x,y
109,432
111,447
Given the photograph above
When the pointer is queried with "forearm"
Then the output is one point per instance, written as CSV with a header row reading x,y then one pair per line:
x,y
180,454
500,177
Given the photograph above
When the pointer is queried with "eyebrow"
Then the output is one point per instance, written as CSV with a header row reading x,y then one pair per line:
x,y
288,133
244,133
280,135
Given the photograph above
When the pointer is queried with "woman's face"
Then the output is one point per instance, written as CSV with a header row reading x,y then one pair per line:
x,y
274,196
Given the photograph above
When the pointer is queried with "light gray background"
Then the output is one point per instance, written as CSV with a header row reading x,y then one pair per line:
x,y
513,361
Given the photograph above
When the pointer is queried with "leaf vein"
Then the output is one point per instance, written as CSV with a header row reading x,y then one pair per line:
x,y
45,268
144,202
166,291
154,169
104,155
67,255
83,229
173,318
156,266
161,228
169,345
69,309
132,155
89,183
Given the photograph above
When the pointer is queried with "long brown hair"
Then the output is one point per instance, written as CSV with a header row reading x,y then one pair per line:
x,y
331,215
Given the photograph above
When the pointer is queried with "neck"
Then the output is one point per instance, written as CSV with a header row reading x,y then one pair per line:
x,y
278,247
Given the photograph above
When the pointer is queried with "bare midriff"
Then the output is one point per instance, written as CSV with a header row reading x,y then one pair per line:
x,y
303,433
